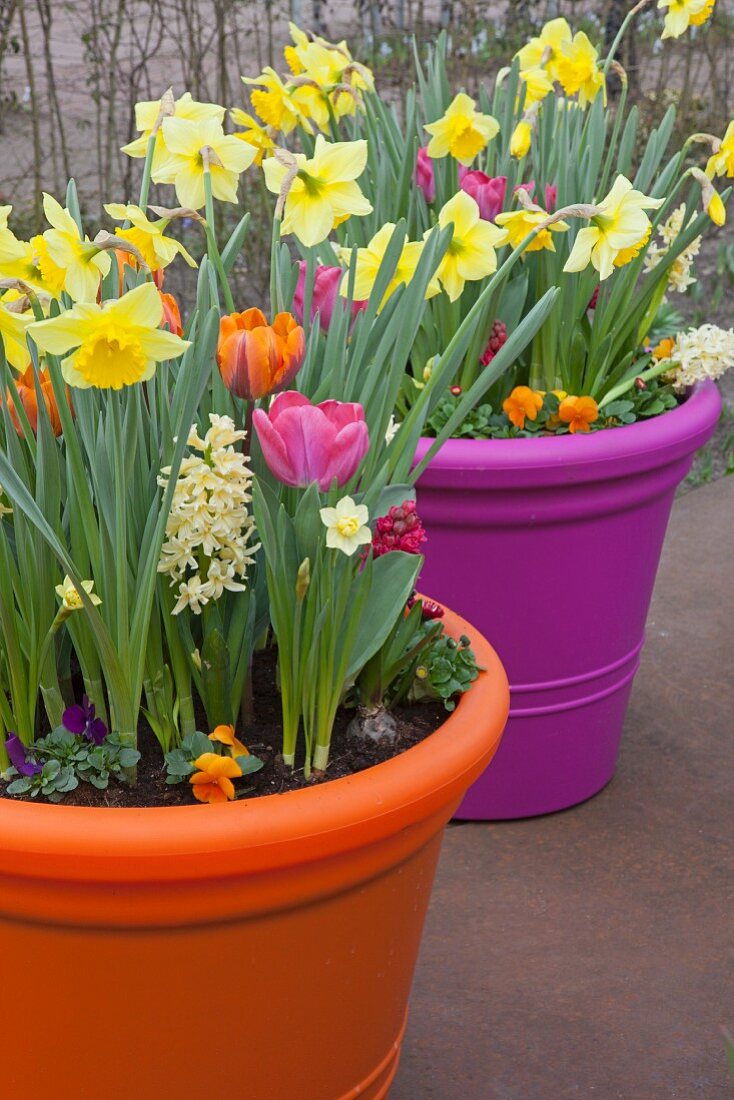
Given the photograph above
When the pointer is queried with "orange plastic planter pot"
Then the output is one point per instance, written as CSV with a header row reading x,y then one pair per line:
x,y
262,950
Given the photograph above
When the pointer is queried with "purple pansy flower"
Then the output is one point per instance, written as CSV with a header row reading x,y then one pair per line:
x,y
83,720
18,754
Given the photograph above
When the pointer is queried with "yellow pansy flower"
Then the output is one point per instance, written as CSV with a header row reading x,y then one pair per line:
x,y
323,192
722,161
147,115
185,140
65,250
471,254
369,261
116,344
254,134
682,14
147,236
544,49
12,333
578,70
617,232
519,223
462,132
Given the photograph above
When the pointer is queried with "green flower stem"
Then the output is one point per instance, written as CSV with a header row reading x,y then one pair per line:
x,y
620,389
276,298
622,31
147,170
212,248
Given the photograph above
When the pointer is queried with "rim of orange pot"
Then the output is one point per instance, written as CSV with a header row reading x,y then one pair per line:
x,y
116,843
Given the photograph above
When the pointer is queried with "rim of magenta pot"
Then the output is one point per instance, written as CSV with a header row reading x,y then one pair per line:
x,y
95,843
675,432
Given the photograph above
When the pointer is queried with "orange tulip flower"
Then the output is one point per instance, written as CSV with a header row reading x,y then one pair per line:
x,y
579,413
171,314
256,359
212,782
26,387
225,736
522,402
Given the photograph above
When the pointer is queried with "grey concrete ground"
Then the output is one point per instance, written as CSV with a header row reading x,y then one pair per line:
x,y
590,954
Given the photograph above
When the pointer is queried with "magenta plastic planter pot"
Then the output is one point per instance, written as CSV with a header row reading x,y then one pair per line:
x,y
550,546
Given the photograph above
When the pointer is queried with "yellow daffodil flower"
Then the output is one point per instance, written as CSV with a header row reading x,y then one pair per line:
x,y
12,333
346,526
324,192
519,223
69,595
185,139
11,248
462,132
471,254
19,260
537,85
275,102
715,208
254,134
147,115
369,260
116,344
326,62
682,14
617,232
578,71
82,263
521,139
722,161
544,50
147,236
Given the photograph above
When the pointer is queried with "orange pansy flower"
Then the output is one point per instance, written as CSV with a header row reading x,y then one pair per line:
x,y
225,736
256,359
26,387
664,349
212,782
579,413
522,402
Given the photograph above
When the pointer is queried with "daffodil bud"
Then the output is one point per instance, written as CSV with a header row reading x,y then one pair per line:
x,y
521,139
303,579
710,198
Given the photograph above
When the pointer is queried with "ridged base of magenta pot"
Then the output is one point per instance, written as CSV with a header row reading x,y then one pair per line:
x,y
551,546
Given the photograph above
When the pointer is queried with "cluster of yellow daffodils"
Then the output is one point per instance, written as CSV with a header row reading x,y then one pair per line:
x,y
559,55
189,142
324,80
462,132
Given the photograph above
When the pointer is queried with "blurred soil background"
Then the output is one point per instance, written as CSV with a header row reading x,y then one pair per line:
x,y
71,72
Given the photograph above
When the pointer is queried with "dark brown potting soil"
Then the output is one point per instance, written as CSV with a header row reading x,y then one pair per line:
x,y
349,754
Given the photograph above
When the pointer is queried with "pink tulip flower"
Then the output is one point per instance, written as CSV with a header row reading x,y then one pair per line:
x,y
487,191
303,443
424,175
325,297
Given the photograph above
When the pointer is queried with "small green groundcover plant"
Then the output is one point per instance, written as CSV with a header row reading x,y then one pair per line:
x,y
175,494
